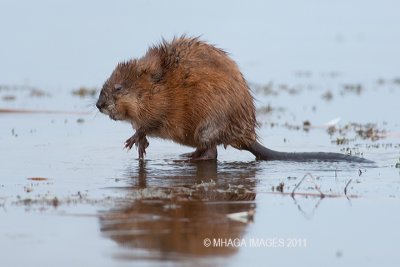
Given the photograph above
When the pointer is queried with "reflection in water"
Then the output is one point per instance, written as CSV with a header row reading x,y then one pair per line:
x,y
308,214
168,211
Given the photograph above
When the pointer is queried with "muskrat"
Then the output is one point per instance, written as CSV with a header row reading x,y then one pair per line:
x,y
192,93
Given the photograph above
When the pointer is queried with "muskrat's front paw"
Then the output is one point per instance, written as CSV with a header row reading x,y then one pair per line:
x,y
131,141
141,143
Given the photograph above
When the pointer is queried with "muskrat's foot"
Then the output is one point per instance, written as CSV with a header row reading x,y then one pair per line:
x,y
195,154
207,154
142,145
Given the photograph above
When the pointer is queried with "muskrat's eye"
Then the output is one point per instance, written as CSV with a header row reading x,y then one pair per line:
x,y
118,87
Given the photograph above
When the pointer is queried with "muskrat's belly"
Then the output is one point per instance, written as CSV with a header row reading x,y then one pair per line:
x,y
177,135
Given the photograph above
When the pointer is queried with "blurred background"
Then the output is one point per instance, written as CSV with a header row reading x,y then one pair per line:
x,y
66,44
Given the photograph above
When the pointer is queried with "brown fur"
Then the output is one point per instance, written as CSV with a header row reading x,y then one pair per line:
x,y
187,91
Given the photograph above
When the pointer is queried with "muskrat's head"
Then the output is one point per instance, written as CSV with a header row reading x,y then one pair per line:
x,y
126,94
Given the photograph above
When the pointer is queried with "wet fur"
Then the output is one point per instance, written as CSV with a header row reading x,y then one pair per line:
x,y
186,91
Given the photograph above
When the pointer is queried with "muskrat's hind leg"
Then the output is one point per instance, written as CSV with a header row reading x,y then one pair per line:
x,y
206,137
139,139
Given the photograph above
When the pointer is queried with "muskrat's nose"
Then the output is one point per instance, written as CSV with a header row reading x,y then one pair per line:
x,y
100,104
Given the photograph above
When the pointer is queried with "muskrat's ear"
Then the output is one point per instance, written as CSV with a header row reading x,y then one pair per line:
x,y
150,65
154,73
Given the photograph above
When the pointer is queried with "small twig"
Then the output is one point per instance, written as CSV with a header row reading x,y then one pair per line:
x,y
297,186
313,181
345,188
303,194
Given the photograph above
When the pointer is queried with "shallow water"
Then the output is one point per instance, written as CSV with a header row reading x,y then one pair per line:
x,y
71,195
99,204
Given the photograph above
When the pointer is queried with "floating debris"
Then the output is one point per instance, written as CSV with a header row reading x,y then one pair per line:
x,y
266,89
85,91
397,164
38,93
13,133
37,179
269,109
280,186
341,141
369,132
289,90
9,97
28,189
306,125
328,96
352,88
364,131
265,109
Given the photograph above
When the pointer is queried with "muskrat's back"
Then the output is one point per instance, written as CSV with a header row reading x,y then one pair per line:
x,y
211,103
